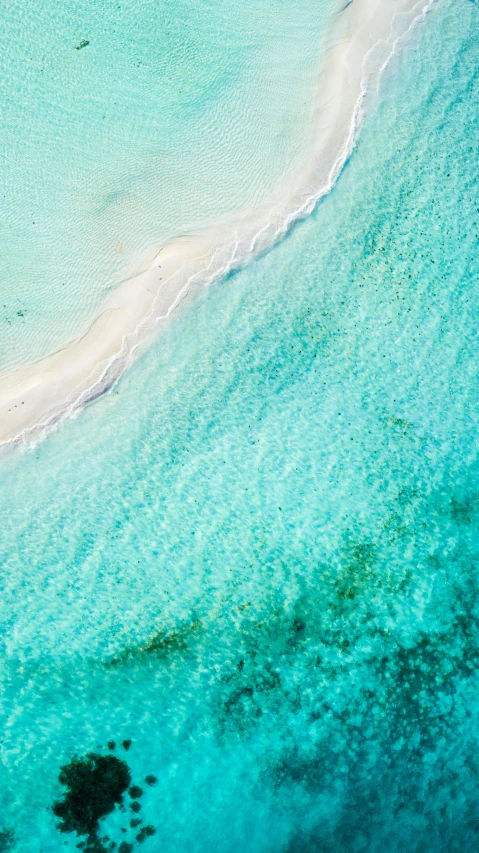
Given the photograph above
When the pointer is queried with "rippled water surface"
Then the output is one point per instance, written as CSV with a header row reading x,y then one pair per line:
x,y
173,114
257,558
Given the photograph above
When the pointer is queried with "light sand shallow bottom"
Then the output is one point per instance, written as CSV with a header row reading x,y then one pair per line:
x,y
35,397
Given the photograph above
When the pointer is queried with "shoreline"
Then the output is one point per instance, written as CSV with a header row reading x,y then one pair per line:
x,y
33,398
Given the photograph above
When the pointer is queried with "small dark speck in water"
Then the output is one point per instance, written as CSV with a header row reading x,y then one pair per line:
x,y
126,744
82,43
151,780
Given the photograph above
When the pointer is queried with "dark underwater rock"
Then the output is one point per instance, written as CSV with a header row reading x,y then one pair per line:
x,y
151,780
81,44
95,784
126,744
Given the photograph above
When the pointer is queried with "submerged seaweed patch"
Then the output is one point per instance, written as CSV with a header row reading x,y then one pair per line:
x,y
6,840
163,643
320,627
349,633
405,679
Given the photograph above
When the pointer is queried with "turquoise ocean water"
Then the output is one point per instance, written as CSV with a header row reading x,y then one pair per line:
x,y
257,557
174,114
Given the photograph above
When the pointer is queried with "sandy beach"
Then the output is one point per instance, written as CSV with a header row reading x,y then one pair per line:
x,y
33,398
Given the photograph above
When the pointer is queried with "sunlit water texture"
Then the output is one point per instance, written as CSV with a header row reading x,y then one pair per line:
x,y
172,115
249,573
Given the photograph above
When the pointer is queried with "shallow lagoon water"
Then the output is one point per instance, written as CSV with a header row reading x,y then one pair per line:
x,y
173,115
257,557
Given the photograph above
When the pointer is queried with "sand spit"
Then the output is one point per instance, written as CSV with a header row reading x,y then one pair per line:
x,y
364,36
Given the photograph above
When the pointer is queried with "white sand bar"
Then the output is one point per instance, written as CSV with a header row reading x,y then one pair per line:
x,y
364,36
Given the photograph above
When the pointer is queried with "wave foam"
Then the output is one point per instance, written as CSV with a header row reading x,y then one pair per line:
x,y
364,37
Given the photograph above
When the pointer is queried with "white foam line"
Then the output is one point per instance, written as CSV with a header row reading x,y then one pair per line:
x,y
34,399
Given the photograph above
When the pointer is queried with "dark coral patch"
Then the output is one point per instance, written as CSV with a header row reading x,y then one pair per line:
x,y
95,785
126,744
151,780
135,792
135,807
145,833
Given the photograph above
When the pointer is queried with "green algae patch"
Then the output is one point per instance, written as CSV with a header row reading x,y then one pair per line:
x,y
173,641
163,644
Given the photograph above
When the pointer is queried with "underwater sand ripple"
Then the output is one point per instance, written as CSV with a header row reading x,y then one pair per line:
x,y
34,398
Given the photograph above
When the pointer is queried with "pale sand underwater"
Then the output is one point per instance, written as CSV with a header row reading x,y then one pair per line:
x,y
33,398
256,557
